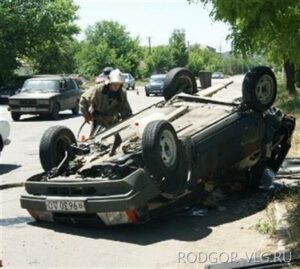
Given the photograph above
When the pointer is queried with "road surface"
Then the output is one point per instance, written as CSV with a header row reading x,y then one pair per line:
x,y
187,240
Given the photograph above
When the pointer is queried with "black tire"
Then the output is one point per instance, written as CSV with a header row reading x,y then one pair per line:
x,y
75,110
55,141
259,88
160,148
147,94
55,111
179,80
15,116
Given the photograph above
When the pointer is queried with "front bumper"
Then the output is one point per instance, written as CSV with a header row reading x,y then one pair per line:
x,y
130,193
30,110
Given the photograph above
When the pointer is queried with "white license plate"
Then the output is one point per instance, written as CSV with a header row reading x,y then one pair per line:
x,y
28,109
65,205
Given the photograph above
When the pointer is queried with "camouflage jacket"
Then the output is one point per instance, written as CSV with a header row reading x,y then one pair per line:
x,y
105,106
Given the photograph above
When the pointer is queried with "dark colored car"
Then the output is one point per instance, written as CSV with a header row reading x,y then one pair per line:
x,y
11,87
101,78
160,159
48,94
155,85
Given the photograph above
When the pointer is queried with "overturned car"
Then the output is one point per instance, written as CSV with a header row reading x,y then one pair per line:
x,y
161,158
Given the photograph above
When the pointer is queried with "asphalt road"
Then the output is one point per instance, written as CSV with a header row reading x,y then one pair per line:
x,y
180,241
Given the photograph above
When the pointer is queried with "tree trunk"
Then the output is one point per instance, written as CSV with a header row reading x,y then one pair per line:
x,y
289,72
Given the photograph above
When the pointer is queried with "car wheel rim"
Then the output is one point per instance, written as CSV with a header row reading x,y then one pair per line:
x,y
265,89
168,149
185,84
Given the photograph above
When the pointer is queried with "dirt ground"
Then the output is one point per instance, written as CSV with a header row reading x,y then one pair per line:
x,y
295,149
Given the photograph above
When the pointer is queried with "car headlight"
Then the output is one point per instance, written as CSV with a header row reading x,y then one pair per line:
x,y
43,102
14,102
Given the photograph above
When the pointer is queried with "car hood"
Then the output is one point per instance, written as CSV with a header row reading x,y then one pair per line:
x,y
34,95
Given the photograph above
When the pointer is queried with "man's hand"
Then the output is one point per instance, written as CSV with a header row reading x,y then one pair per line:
x,y
87,117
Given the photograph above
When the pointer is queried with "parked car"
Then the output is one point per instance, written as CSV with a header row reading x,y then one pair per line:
x,y
217,75
155,85
47,94
129,81
4,133
11,87
160,159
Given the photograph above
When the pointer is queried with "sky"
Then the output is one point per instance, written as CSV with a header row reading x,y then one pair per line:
x,y
156,19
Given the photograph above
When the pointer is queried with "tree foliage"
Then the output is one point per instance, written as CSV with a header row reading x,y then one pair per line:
x,y
268,26
178,48
37,30
108,43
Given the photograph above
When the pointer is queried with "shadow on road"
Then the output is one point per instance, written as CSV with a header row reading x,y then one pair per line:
x,y
183,226
6,168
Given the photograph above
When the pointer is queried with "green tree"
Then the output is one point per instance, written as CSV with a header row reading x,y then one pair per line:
x,y
31,28
160,60
108,44
178,48
203,59
263,26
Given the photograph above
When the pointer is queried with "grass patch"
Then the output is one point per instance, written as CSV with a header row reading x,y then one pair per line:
x,y
286,102
293,207
267,225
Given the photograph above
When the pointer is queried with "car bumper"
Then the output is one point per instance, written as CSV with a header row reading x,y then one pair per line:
x,y
155,91
30,110
108,197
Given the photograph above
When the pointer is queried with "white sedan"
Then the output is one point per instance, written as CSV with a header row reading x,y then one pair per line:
x,y
4,133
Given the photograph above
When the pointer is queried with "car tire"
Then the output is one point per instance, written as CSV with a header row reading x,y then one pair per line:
x,y
55,141
179,80
15,116
147,94
259,88
55,111
75,110
160,147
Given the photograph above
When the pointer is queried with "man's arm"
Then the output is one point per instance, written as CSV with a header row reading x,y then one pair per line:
x,y
87,102
125,109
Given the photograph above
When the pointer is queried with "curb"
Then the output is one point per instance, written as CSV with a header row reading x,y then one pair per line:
x,y
282,228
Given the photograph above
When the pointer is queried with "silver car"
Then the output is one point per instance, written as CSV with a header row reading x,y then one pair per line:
x,y
129,81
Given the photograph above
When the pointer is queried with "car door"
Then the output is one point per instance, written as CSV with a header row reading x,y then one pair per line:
x,y
74,93
64,95
228,142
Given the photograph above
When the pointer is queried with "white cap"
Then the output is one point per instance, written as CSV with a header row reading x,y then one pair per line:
x,y
115,76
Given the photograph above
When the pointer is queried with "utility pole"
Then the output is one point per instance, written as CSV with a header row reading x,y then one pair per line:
x,y
149,44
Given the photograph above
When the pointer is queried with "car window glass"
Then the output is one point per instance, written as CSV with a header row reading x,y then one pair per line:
x,y
40,86
71,84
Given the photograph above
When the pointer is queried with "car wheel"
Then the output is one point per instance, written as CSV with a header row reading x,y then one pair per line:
x,y
160,148
259,88
15,116
179,80
75,110
147,94
55,112
54,143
